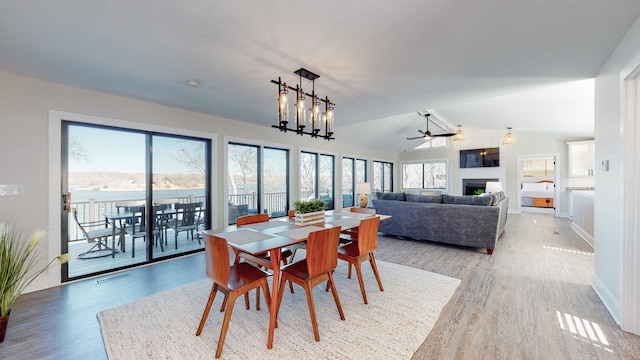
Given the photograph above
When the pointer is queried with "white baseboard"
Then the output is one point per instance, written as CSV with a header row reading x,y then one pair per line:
x,y
607,298
583,234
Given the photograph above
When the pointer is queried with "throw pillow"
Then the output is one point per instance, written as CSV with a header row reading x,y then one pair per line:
x,y
424,198
467,200
391,196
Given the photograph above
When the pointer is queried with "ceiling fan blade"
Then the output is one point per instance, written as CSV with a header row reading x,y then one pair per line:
x,y
421,132
444,135
417,137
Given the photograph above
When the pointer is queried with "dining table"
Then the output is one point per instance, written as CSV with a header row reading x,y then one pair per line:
x,y
272,236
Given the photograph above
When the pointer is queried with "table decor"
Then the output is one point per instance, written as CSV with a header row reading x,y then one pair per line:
x,y
309,211
18,267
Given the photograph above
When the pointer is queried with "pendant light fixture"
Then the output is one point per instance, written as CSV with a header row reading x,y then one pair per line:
x,y
315,124
508,138
459,136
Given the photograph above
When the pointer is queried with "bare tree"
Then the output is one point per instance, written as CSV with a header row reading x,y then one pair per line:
x,y
243,159
193,158
77,150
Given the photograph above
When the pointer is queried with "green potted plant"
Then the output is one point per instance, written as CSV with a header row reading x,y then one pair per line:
x,y
18,267
309,211
308,206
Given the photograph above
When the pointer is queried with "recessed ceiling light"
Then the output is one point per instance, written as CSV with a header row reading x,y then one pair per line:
x,y
193,83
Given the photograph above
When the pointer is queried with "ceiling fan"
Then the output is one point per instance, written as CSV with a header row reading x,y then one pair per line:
x,y
427,134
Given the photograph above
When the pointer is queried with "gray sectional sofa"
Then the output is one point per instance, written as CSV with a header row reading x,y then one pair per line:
x,y
474,221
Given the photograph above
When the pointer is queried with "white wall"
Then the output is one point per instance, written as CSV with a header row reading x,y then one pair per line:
x,y
25,104
610,268
526,144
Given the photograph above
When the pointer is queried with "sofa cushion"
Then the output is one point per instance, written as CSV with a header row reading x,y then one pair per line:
x,y
467,200
425,198
390,196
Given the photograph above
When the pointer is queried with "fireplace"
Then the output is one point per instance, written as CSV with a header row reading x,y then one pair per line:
x,y
469,186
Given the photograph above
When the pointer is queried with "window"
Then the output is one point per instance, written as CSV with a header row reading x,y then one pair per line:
x,y
242,167
251,190
316,177
348,181
361,171
433,143
382,176
537,167
427,175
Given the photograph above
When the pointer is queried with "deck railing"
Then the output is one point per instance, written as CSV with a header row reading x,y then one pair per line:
x,y
94,210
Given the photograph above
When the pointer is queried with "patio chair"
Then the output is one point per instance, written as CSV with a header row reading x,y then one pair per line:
x,y
96,232
188,218
157,226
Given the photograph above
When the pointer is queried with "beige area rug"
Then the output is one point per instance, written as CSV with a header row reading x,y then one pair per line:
x,y
392,326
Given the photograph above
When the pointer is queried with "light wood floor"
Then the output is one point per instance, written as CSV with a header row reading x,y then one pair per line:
x,y
530,300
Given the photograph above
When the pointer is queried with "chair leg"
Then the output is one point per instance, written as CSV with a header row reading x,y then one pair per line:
x,y
258,299
207,308
225,323
336,298
361,281
280,293
247,305
374,267
284,261
267,294
312,310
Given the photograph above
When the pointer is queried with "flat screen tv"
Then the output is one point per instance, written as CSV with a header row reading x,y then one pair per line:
x,y
489,157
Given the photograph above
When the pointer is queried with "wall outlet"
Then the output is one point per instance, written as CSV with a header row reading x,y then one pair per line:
x,y
11,189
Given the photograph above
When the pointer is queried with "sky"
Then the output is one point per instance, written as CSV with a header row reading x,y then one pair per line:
x,y
124,151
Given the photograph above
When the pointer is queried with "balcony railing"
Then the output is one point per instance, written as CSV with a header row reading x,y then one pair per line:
x,y
94,210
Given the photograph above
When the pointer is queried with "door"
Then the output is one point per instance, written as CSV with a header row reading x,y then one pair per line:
x,y
124,188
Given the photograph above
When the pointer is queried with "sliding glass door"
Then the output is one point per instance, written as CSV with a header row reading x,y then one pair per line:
x,y
132,196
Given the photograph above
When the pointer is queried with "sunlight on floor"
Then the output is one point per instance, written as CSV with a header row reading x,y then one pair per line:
x,y
567,250
583,330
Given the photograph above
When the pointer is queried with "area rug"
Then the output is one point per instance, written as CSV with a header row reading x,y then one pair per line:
x,y
392,326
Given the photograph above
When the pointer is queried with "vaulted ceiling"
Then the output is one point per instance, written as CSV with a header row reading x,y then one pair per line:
x,y
480,64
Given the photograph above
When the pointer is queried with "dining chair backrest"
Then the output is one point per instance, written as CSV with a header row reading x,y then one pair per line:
x,y
135,207
322,251
251,219
368,234
217,259
166,203
363,210
189,213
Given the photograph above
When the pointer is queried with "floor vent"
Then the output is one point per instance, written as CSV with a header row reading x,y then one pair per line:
x,y
556,233
112,278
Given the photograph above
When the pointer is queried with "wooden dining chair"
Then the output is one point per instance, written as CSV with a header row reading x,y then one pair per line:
x,y
317,267
247,220
232,281
362,250
352,233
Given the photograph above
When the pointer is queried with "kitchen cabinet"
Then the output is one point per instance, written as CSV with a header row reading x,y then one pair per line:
x,y
581,158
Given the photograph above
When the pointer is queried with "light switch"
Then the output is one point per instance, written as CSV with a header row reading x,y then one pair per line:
x,y
11,189
605,165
